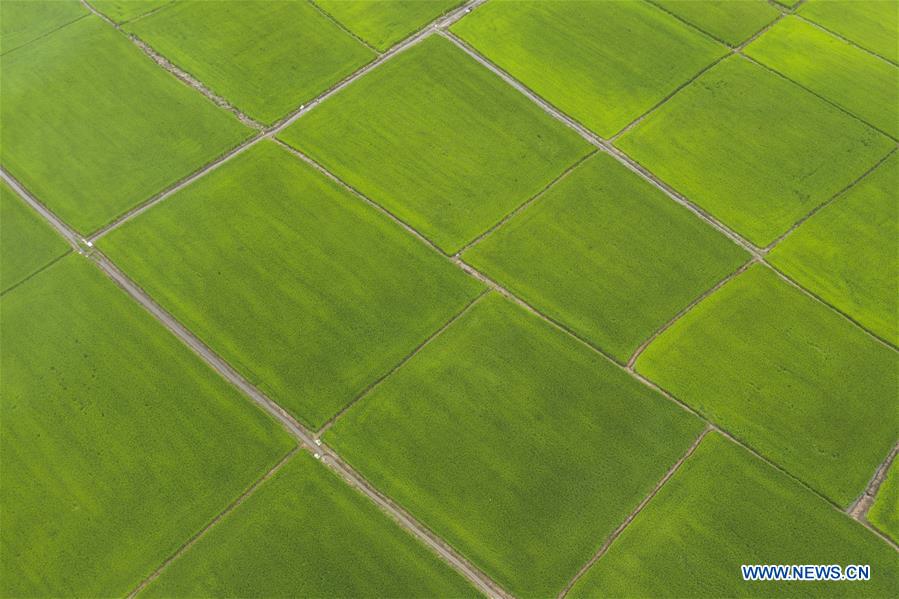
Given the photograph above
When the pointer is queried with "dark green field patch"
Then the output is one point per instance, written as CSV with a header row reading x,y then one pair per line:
x,y
382,24
725,508
438,140
520,446
307,291
786,374
602,63
265,57
732,22
608,255
718,144
117,442
847,253
305,533
93,127
27,242
840,72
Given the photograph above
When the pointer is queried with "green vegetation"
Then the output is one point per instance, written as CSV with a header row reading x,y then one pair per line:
x,y
265,57
608,255
125,10
844,74
872,24
23,21
305,533
729,21
520,446
307,291
717,143
118,444
847,252
92,127
382,24
725,508
27,242
884,514
603,63
796,381
438,140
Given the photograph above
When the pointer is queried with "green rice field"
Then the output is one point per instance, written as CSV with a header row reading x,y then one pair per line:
x,y
431,299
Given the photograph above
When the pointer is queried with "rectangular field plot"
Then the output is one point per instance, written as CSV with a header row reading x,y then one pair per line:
x,y
725,508
602,63
884,513
27,242
787,375
846,253
23,21
872,24
93,127
265,57
126,10
864,85
305,533
382,24
310,293
438,140
608,255
520,446
118,444
729,21
718,144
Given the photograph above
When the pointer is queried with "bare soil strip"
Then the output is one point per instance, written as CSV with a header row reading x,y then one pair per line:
x,y
63,229
630,518
859,509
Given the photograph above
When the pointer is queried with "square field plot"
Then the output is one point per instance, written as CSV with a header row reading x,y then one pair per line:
x,y
520,446
23,21
608,255
864,85
438,140
125,10
872,24
305,533
794,380
884,513
753,149
382,24
265,57
847,253
729,21
602,63
306,290
27,242
725,508
92,127
118,444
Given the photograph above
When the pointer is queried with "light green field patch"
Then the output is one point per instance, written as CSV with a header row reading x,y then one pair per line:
x,y
722,509
93,127
307,291
848,255
872,24
23,21
382,24
438,140
717,143
796,381
607,254
305,533
731,21
602,63
844,74
884,514
27,242
126,10
265,57
117,443
520,446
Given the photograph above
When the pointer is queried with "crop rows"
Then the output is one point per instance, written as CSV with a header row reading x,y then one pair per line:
x,y
570,351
